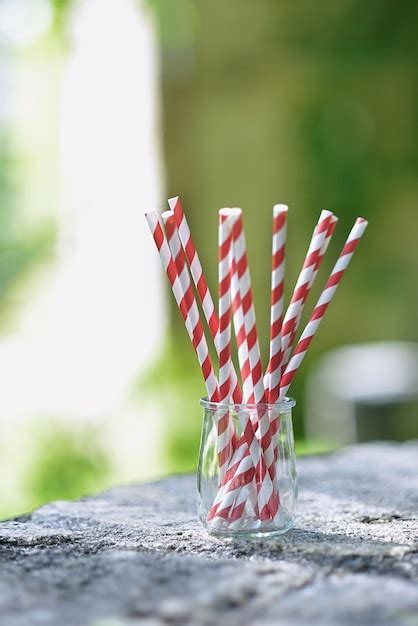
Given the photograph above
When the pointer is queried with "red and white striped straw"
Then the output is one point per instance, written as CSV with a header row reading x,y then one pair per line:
x,y
213,323
331,227
266,470
322,304
250,325
330,232
277,300
187,305
242,469
231,500
226,217
240,335
225,428
224,425
249,428
235,480
297,302
232,496
248,443
200,283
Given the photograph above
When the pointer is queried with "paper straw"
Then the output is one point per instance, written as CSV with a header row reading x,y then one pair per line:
x,y
330,232
223,417
268,500
203,294
324,248
199,280
233,492
248,443
225,430
248,427
295,308
244,280
322,304
188,309
240,335
225,307
187,305
277,300
272,378
177,251
239,476
226,434
231,500
243,470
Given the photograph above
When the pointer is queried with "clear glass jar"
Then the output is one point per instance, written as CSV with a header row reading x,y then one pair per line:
x,y
246,478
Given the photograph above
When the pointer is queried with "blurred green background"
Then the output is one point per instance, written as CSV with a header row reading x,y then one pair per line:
x,y
313,105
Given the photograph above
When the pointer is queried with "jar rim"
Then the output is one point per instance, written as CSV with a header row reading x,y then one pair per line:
x,y
282,405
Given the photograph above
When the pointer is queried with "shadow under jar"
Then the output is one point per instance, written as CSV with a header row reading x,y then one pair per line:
x,y
246,478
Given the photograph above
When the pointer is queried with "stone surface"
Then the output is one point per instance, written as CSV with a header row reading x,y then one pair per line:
x,y
137,555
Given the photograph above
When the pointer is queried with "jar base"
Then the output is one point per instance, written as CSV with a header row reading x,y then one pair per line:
x,y
245,534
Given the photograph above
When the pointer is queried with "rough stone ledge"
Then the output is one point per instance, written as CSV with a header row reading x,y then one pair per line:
x,y
137,555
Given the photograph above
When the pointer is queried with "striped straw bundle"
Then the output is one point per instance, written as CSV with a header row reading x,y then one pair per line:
x,y
247,459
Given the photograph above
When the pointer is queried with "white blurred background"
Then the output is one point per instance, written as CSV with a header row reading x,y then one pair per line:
x,y
84,123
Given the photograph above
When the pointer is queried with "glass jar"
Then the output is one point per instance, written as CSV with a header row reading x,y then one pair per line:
x,y
246,478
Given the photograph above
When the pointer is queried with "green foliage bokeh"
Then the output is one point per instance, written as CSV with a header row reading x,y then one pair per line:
x,y
65,463
313,105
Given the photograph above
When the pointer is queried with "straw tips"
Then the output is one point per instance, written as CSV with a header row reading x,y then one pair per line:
x,y
151,217
228,212
280,208
173,201
325,214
